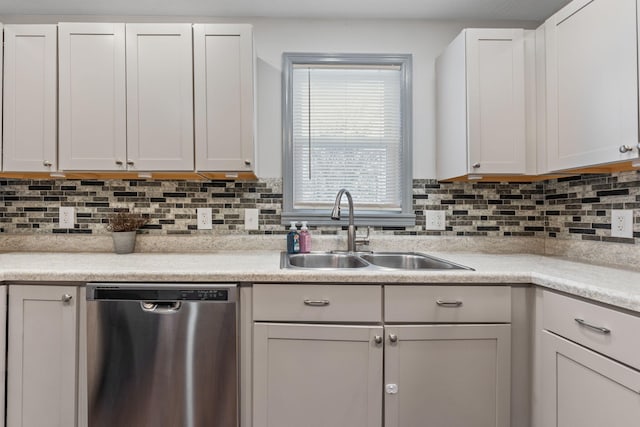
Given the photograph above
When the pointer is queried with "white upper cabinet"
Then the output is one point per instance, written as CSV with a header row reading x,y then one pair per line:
x,y
224,103
481,104
30,84
92,96
159,97
1,69
592,83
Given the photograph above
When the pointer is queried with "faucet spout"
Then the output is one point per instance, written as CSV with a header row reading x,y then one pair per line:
x,y
335,214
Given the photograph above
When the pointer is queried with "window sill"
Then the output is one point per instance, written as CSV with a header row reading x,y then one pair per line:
x,y
363,219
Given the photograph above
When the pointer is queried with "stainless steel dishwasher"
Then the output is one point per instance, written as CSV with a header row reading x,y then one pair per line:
x,y
162,355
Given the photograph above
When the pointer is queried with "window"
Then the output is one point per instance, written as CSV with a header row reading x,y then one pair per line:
x,y
346,124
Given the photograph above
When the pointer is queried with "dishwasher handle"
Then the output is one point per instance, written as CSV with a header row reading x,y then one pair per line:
x,y
160,306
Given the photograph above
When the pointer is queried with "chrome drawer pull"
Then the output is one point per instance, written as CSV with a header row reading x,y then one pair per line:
x,y
600,329
377,339
316,303
442,303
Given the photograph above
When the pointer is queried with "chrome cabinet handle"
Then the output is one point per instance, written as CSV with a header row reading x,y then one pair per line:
x,y
119,162
247,162
130,162
66,298
47,163
604,331
377,339
393,338
475,165
443,303
316,303
625,148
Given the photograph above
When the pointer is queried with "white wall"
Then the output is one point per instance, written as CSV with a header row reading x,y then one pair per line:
x,y
425,40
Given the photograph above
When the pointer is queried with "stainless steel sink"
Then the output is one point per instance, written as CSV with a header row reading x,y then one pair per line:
x,y
410,261
323,260
367,260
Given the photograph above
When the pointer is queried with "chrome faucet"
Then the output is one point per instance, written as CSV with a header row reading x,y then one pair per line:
x,y
335,214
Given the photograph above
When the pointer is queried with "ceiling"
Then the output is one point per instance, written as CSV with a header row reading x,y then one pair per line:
x,y
521,10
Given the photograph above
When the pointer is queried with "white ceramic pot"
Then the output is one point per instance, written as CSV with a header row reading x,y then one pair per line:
x,y
124,241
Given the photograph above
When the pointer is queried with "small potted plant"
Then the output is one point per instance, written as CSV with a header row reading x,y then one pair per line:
x,y
123,226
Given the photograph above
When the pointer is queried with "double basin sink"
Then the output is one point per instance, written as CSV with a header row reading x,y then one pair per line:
x,y
367,260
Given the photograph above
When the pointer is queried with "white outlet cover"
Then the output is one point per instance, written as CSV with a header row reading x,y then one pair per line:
x,y
251,219
622,223
67,217
436,220
204,218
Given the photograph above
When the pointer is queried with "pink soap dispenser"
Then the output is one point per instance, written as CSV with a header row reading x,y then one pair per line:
x,y
305,238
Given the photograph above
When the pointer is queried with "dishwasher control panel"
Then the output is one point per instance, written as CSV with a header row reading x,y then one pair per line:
x,y
204,295
161,292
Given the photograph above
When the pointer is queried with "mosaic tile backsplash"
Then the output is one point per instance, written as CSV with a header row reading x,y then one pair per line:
x,y
568,208
580,207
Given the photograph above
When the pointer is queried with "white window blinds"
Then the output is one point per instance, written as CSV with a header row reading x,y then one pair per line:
x,y
347,133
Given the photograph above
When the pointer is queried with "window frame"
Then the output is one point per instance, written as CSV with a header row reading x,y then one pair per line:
x,y
404,217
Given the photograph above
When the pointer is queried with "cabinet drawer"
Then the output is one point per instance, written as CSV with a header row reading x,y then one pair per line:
x,y
317,303
457,304
582,321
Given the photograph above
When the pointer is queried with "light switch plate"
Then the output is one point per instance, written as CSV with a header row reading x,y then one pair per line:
x,y
435,220
67,217
251,219
622,223
204,218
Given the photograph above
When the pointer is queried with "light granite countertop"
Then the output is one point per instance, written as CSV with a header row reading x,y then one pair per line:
x,y
614,286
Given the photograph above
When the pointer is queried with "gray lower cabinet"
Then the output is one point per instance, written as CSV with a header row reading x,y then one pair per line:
x,y
589,363
582,388
317,375
447,375
323,370
42,356
3,343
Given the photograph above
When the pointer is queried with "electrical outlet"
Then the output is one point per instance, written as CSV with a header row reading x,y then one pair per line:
x,y
204,218
66,217
622,223
251,219
435,220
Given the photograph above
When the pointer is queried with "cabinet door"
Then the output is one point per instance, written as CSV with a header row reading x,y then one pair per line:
x,y
159,97
592,83
1,78
317,376
41,380
447,375
30,86
223,72
92,96
3,345
496,101
583,388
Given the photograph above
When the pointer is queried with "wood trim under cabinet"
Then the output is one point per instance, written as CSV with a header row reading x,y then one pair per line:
x,y
186,176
